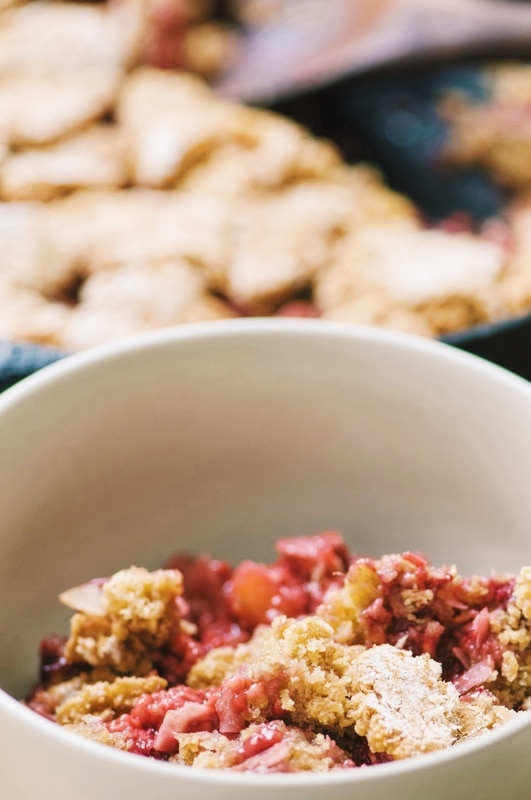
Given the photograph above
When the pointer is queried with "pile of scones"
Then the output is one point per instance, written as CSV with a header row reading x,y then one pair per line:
x,y
134,197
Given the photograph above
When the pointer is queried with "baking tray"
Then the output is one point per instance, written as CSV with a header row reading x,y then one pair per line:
x,y
366,120
392,120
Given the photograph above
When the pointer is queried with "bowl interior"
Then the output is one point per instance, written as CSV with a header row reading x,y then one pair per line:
x,y
223,437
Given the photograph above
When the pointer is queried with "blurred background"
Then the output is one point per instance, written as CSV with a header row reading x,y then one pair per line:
x,y
167,161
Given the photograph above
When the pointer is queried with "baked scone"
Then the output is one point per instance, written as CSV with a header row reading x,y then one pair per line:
x,y
422,281
493,132
93,158
99,229
133,197
122,301
54,37
60,67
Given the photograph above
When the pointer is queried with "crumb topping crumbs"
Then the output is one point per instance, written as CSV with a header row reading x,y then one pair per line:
x,y
139,614
345,661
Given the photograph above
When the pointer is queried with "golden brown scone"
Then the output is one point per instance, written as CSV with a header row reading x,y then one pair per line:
x,y
441,280
248,200
378,309
174,122
281,239
372,201
27,253
60,67
494,133
170,120
27,317
94,158
39,107
97,229
84,225
279,157
56,37
256,249
229,170
281,152
118,302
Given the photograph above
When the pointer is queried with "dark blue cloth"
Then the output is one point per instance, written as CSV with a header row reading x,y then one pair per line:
x,y
17,361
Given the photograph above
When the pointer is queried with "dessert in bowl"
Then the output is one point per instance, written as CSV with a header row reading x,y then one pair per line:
x,y
221,438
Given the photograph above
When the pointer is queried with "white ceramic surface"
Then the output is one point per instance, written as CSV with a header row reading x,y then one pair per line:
x,y
223,437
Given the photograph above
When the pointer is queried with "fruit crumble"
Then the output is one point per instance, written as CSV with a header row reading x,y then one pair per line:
x,y
320,660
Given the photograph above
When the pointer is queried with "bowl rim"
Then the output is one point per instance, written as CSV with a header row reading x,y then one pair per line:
x,y
72,362
13,709
39,356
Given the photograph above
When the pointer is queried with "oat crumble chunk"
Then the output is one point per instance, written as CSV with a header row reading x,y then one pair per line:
x,y
131,620
321,660
397,700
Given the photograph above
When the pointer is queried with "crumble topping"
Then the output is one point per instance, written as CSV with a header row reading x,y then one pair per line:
x,y
512,627
290,750
391,686
321,660
138,612
105,699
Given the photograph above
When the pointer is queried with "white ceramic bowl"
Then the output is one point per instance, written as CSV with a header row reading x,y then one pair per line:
x,y
223,437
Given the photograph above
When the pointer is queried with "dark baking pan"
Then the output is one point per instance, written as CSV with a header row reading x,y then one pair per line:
x,y
368,75
17,361
397,119
392,120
